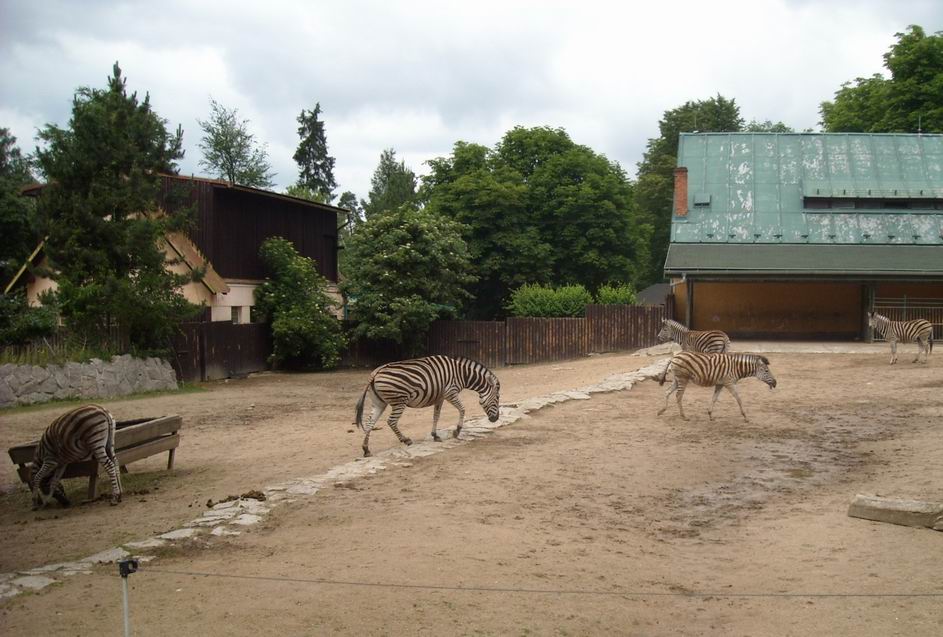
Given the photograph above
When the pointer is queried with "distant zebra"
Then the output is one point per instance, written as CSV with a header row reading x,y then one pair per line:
x,y
918,330
423,382
75,436
719,370
692,341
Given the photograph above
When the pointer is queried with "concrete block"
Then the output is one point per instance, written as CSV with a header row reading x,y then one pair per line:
x,y
897,511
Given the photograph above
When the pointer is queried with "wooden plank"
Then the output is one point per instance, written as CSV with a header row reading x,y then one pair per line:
x,y
135,434
147,449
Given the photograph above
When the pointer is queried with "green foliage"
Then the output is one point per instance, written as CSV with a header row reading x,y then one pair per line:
x,y
17,213
910,100
538,208
655,188
99,211
537,300
231,151
303,192
405,268
316,167
392,185
767,126
616,294
20,323
293,300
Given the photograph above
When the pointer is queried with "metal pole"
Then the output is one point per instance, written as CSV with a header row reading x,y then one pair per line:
x,y
125,568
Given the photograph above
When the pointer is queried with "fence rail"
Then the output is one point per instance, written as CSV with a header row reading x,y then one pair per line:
x,y
906,309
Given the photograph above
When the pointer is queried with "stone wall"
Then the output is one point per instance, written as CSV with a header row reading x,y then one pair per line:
x,y
27,384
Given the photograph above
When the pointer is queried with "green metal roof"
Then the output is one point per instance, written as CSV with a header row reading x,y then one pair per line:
x,y
797,260
748,188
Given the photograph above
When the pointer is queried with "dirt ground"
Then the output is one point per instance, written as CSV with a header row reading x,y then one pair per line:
x,y
592,517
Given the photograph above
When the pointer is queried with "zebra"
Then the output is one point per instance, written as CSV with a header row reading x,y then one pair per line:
x,y
72,437
719,370
919,331
422,382
691,341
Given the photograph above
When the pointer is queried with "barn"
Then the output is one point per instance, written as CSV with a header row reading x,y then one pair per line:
x,y
798,235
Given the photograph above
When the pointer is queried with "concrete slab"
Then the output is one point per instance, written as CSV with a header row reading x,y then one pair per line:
x,y
897,511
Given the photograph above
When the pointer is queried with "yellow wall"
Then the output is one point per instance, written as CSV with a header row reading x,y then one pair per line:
x,y
798,309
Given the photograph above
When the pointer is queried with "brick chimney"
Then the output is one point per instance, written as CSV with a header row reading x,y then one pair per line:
x,y
681,191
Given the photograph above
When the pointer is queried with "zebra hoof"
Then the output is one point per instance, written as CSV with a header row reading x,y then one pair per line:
x,y
436,437
458,432
366,453
407,441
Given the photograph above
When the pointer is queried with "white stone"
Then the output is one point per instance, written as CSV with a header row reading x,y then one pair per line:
x,y
221,530
146,544
8,591
179,534
33,582
106,557
247,519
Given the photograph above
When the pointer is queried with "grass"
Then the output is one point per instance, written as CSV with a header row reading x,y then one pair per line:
x,y
183,388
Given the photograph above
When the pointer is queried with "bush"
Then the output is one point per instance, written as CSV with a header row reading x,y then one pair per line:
x,y
618,294
20,323
544,301
304,331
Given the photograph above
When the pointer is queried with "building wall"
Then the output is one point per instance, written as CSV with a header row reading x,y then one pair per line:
x,y
910,290
770,309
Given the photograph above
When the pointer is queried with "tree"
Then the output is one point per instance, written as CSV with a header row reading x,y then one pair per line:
x,y
293,300
406,268
99,211
17,213
655,188
316,166
392,185
767,126
348,223
231,151
538,208
911,100
303,192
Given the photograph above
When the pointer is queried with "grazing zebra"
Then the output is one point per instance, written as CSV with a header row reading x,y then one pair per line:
x,y
919,331
719,370
84,432
422,382
690,341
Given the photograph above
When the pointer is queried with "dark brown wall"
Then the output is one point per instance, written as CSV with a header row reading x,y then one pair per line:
x,y
230,226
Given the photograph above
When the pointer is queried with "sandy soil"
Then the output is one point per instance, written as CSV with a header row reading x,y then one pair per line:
x,y
593,517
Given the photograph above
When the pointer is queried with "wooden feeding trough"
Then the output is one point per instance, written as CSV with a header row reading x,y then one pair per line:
x,y
134,440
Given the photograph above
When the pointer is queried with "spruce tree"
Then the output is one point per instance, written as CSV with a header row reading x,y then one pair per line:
x,y
316,167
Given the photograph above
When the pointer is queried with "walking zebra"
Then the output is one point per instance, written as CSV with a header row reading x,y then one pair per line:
x,y
422,382
84,432
919,331
690,341
719,370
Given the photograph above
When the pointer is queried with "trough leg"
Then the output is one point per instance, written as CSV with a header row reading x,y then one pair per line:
x,y
93,483
170,459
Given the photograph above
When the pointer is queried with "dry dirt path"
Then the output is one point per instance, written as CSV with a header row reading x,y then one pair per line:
x,y
592,517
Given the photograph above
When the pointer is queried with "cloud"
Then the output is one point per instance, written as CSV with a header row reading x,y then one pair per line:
x,y
419,76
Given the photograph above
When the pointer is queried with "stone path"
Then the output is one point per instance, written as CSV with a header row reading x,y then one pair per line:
x,y
227,518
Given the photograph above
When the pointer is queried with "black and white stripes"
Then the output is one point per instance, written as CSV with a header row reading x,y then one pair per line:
x,y
717,370
77,435
919,331
693,341
424,382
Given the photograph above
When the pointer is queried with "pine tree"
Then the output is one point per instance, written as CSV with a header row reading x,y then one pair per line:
x,y
392,185
316,167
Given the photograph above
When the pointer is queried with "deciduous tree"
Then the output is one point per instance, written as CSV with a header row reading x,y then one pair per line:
x,y
231,152
17,213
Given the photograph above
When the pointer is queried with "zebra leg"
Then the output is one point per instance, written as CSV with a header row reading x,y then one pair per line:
x,y
377,409
733,390
713,400
36,483
893,352
455,402
106,458
920,350
55,487
671,390
394,418
679,396
435,420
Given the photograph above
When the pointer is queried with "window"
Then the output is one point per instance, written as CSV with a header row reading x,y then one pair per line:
x,y
871,203
235,315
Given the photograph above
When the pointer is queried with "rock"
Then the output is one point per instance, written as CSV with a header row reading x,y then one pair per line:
x,y
179,534
106,557
247,519
146,544
33,582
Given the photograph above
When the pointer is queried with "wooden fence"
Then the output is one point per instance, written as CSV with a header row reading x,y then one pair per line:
x,y
214,350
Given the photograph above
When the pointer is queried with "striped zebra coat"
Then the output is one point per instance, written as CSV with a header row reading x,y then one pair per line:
x,y
717,370
75,436
425,382
919,331
693,341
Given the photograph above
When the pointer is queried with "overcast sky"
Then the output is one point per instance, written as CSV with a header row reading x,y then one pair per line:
x,y
419,76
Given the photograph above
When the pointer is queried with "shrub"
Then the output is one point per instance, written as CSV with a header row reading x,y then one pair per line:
x,y
293,300
20,323
544,301
616,294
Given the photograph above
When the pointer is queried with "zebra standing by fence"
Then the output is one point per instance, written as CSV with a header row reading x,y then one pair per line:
x,y
423,382
719,370
691,341
84,432
919,331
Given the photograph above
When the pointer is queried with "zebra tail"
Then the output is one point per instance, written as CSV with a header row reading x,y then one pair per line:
x,y
931,342
358,419
664,374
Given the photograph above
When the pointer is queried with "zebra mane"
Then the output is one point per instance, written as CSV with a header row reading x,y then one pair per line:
x,y
758,357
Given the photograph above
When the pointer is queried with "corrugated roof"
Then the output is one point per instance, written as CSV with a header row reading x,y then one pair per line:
x,y
747,188
838,261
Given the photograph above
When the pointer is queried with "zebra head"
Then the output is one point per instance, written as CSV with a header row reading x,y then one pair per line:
x,y
763,373
665,334
877,322
489,395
